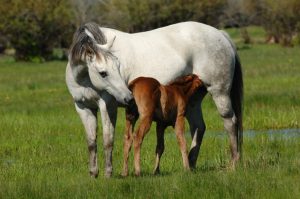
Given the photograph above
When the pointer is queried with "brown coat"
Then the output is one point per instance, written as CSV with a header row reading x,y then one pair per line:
x,y
164,104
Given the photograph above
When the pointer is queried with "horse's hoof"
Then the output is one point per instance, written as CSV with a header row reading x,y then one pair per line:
x,y
156,172
94,174
108,172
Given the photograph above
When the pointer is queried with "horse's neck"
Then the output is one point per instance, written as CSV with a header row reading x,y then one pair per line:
x,y
82,78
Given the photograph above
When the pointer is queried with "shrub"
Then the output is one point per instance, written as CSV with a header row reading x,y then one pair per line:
x,y
141,15
35,27
280,19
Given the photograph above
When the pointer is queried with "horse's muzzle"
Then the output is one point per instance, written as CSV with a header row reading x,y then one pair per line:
x,y
129,102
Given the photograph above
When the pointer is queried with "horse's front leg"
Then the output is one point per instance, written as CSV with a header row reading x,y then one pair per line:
x,y
108,109
89,120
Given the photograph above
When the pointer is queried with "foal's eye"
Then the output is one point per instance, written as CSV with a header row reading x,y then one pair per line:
x,y
103,74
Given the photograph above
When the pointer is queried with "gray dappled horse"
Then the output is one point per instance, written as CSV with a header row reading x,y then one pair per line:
x,y
103,61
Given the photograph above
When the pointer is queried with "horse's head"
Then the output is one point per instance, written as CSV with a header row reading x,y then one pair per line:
x,y
103,66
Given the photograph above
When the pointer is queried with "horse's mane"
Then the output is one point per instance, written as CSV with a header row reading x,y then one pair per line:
x,y
82,43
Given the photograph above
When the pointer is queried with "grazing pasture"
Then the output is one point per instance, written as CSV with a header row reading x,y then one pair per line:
x,y
43,153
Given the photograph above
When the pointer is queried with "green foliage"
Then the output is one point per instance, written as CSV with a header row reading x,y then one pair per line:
x,y
35,27
140,15
281,19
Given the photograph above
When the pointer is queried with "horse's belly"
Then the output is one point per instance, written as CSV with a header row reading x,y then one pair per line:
x,y
164,65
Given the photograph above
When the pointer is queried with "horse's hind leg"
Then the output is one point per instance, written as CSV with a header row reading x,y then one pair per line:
x,y
197,126
89,120
160,146
224,106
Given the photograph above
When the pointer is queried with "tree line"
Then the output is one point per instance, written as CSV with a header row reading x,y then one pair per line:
x,y
34,28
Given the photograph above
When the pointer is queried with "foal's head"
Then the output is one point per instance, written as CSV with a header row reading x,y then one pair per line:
x,y
188,84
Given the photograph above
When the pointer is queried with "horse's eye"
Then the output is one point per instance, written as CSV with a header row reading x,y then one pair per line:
x,y
103,74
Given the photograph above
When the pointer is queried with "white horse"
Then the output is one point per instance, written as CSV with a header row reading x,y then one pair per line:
x,y
103,61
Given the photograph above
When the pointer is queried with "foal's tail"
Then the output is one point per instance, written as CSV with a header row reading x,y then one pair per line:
x,y
236,94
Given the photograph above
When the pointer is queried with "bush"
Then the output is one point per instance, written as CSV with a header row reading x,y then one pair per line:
x,y
280,20
141,15
35,27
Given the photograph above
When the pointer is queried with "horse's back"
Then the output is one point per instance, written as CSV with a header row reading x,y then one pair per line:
x,y
176,50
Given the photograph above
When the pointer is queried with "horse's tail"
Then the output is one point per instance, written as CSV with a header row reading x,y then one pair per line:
x,y
236,94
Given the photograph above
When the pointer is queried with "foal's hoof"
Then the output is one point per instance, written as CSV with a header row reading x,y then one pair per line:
x,y
137,173
124,174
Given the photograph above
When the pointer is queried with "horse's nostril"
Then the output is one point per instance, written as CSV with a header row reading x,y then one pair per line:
x,y
131,102
126,100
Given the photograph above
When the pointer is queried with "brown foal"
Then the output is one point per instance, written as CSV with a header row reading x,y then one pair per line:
x,y
164,104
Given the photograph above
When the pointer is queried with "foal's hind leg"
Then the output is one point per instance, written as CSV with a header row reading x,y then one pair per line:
x,y
197,126
179,130
160,146
223,103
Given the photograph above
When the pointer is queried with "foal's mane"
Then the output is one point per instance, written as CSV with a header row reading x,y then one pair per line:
x,y
180,81
189,83
83,44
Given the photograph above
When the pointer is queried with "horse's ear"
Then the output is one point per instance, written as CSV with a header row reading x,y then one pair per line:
x,y
88,54
108,44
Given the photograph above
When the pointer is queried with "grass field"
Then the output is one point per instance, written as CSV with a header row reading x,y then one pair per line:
x,y
43,151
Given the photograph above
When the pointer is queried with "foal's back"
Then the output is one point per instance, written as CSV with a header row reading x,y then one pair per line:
x,y
163,101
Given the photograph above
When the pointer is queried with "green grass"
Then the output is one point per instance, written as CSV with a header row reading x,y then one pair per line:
x,y
43,150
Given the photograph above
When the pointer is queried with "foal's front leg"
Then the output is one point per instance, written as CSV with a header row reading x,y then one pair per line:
x,y
145,124
128,138
179,130
89,119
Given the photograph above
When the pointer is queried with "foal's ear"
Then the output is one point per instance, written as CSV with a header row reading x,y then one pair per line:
x,y
108,44
197,82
